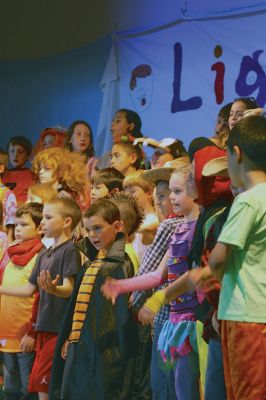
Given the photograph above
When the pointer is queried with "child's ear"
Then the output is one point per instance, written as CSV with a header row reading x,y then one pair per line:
x,y
122,226
149,195
238,153
133,158
2,169
119,226
68,222
39,230
131,127
114,191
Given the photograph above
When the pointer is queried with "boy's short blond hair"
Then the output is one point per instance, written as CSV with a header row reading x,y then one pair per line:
x,y
67,208
136,179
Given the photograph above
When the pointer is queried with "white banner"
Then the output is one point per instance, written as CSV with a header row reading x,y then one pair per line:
x,y
179,77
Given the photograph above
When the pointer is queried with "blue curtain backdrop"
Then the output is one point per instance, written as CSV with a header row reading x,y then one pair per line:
x,y
186,43
55,90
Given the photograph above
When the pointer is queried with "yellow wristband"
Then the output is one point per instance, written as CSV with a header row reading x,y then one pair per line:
x,y
156,301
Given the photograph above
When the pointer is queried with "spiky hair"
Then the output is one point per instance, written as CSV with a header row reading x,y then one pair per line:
x,y
131,214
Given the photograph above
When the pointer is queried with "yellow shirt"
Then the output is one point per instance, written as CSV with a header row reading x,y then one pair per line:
x,y
129,249
15,312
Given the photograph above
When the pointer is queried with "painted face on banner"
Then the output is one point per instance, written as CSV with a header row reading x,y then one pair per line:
x,y
142,93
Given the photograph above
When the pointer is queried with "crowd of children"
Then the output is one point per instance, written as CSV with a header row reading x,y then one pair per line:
x,y
123,278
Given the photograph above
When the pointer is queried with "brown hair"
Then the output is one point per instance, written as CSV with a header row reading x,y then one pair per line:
x,y
110,177
104,208
249,135
34,210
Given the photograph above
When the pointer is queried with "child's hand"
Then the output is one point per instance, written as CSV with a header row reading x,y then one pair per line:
x,y
27,344
64,350
194,277
216,323
198,277
130,301
110,289
254,111
146,316
46,283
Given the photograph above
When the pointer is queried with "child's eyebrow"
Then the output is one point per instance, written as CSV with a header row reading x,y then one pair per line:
x,y
95,226
45,214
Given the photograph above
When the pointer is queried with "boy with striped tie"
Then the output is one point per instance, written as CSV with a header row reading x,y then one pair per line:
x,y
93,357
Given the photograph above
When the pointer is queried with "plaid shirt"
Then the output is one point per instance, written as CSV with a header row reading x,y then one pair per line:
x,y
152,258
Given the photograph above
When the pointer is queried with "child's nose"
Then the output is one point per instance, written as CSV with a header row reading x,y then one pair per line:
x,y
92,234
171,196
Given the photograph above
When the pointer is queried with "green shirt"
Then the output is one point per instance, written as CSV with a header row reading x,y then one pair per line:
x,y
243,292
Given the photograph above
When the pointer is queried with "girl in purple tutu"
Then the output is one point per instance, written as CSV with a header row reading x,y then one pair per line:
x,y
177,342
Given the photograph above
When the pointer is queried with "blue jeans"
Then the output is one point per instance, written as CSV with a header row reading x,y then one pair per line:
x,y
187,375
162,382
215,386
17,368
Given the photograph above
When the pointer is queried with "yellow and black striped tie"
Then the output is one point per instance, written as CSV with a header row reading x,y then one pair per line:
x,y
84,295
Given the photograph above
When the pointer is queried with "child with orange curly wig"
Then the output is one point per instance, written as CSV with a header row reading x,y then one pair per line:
x,y
51,137
66,171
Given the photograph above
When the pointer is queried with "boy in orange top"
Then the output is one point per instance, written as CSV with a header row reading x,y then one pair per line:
x,y
18,351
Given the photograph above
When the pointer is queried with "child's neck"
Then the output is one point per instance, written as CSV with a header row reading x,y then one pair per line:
x,y
253,178
18,167
106,249
149,209
130,170
193,214
55,184
65,236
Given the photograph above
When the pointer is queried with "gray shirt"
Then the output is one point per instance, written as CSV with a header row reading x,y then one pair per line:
x,y
63,260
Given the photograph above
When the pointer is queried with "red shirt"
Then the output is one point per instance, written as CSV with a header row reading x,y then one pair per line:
x,y
210,188
19,180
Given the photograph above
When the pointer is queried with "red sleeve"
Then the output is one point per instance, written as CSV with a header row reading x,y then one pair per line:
x,y
32,322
